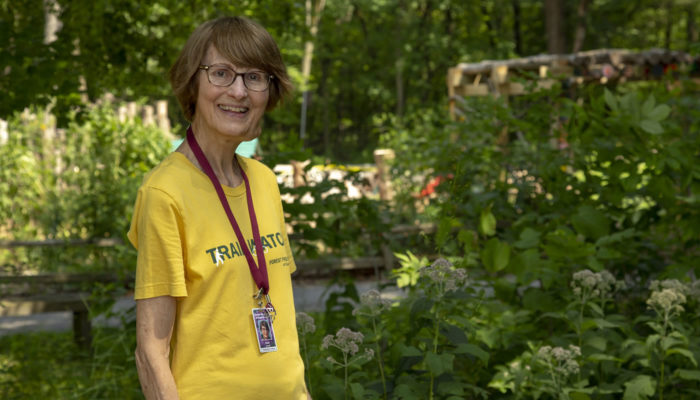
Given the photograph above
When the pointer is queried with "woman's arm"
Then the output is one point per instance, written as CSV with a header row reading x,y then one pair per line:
x,y
155,318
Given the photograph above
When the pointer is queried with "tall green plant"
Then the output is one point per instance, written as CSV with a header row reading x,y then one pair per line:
x,y
79,182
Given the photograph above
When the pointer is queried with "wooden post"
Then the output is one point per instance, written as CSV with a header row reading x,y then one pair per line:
x,y
162,116
499,79
388,259
298,174
4,135
82,329
382,157
131,110
122,113
148,118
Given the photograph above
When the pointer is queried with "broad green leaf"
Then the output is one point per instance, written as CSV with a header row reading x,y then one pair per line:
x,y
528,238
688,375
596,309
358,391
454,334
578,395
659,113
648,105
495,255
597,342
629,102
525,265
685,353
489,336
603,324
639,388
651,126
468,239
602,357
474,350
616,237
670,341
487,222
538,300
653,339
590,222
564,244
421,305
409,351
439,363
610,100
404,391
451,387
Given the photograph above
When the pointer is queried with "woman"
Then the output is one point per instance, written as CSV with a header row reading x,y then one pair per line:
x,y
213,254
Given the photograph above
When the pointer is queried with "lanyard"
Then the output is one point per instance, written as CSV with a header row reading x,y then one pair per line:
x,y
260,272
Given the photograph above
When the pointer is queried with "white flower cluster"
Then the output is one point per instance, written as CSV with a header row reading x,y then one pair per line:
x,y
305,323
587,284
348,342
561,360
372,304
444,275
667,297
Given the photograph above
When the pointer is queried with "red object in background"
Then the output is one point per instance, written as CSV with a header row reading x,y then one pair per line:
x,y
434,183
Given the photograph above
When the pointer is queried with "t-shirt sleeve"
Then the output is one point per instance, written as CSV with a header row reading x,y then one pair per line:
x,y
157,233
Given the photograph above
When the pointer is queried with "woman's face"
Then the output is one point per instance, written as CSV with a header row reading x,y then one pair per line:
x,y
263,330
232,113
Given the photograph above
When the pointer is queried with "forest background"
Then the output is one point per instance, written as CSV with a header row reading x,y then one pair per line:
x,y
581,261
345,54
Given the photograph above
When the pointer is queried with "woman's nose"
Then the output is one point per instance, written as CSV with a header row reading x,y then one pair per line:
x,y
237,89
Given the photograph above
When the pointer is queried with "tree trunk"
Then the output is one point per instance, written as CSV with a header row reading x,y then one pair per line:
x,y
580,35
669,24
554,24
323,92
313,16
489,26
399,63
692,29
517,37
52,24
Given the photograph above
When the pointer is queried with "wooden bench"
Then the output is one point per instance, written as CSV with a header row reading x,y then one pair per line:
x,y
34,294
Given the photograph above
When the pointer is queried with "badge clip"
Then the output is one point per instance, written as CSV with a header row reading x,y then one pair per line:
x,y
270,308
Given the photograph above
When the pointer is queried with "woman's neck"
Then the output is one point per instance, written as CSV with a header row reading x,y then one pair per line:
x,y
220,154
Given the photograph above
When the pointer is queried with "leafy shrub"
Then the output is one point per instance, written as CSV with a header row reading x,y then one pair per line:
x,y
78,183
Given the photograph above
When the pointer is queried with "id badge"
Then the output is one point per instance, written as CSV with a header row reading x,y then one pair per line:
x,y
263,330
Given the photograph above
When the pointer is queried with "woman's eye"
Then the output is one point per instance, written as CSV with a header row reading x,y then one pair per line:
x,y
254,76
222,73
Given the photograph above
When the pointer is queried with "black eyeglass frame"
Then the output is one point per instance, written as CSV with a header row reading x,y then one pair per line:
x,y
236,74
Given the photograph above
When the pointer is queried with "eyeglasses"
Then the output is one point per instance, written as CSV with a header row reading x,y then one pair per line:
x,y
221,75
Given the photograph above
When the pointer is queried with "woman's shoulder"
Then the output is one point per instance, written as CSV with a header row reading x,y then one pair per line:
x,y
169,174
257,169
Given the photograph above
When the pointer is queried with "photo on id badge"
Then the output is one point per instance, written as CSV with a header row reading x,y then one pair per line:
x,y
264,331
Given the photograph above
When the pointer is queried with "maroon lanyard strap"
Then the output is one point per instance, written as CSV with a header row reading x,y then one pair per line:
x,y
258,272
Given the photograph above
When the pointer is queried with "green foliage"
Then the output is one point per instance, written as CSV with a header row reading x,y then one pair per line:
x,y
74,183
581,184
49,365
359,74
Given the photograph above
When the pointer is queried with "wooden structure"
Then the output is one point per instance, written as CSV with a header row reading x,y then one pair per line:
x,y
34,294
523,75
22,295
149,114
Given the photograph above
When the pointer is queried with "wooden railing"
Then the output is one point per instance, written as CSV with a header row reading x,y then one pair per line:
x,y
33,294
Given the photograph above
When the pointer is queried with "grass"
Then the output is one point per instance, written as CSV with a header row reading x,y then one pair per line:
x,y
50,366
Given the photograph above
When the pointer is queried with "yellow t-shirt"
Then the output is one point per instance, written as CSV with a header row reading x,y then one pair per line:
x,y
187,249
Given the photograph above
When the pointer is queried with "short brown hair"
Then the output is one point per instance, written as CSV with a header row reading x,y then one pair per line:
x,y
243,42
